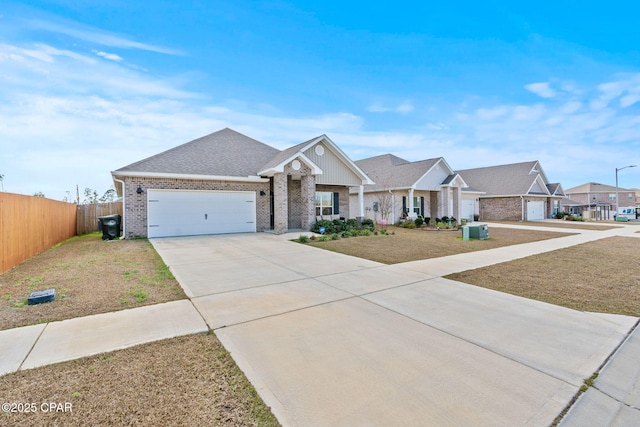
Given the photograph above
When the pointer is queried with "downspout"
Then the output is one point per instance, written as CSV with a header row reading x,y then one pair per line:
x,y
393,207
124,210
522,207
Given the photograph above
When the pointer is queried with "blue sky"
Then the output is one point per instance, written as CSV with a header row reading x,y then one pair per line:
x,y
89,87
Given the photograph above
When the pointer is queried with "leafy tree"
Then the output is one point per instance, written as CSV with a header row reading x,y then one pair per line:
x,y
39,194
109,195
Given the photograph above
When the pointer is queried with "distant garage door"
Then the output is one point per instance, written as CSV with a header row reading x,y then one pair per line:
x,y
535,210
190,213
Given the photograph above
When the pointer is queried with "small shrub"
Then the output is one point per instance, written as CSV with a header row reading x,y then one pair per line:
x,y
346,234
335,236
323,238
303,239
375,233
427,221
313,237
329,228
365,233
409,224
419,221
368,224
352,224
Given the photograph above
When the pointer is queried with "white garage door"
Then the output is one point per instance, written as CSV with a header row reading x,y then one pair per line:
x,y
535,210
190,213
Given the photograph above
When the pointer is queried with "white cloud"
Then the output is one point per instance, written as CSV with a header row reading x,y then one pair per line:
x,y
94,35
541,89
405,107
110,56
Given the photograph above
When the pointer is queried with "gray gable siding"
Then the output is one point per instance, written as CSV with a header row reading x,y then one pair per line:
x,y
334,171
434,179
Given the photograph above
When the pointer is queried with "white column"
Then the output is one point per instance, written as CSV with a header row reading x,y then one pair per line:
x,y
410,204
361,200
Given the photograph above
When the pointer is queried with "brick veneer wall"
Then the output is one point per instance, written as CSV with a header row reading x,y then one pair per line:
x,y
135,208
501,208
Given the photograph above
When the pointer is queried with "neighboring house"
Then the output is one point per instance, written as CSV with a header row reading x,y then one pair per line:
x,y
428,187
226,182
598,201
518,192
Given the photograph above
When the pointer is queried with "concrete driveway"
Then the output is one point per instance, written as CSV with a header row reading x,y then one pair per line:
x,y
333,340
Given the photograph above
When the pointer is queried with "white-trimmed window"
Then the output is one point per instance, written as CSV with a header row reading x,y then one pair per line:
x,y
327,203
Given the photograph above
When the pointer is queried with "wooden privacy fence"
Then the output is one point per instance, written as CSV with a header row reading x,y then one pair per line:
x,y
30,225
88,215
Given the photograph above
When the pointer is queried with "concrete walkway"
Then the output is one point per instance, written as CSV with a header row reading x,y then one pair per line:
x,y
329,339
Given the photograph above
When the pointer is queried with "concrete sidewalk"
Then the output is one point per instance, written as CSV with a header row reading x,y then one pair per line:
x,y
39,345
329,339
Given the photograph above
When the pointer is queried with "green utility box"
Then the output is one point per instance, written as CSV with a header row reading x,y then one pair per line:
x,y
478,231
621,218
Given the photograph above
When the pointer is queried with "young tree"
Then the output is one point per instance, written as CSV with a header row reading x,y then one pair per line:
x,y
385,201
109,195
90,196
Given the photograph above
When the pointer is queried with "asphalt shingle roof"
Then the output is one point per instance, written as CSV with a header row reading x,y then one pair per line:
x,y
389,171
222,153
512,179
593,187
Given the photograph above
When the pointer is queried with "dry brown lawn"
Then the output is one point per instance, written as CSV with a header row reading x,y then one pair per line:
x,y
601,276
90,276
185,381
411,245
583,225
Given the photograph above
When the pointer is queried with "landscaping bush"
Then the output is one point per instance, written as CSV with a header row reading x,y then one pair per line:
x,y
409,224
335,236
323,238
329,228
427,221
352,224
419,221
339,225
368,224
303,239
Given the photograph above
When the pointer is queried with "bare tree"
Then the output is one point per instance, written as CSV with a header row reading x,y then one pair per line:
x,y
2,181
385,200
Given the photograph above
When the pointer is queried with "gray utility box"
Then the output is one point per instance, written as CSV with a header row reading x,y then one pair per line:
x,y
479,231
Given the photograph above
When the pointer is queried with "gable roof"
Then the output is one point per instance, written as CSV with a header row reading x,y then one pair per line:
x,y
297,151
222,153
593,187
555,189
391,172
230,155
508,180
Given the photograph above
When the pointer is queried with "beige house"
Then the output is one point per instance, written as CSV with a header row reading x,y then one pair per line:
x,y
429,188
226,182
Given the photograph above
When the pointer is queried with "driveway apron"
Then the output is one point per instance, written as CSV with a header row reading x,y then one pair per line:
x,y
329,339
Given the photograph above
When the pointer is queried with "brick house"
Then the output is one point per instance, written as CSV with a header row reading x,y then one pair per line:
x,y
517,192
429,188
598,201
226,182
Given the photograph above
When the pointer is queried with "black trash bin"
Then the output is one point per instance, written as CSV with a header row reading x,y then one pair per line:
x,y
110,225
